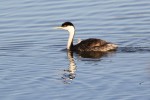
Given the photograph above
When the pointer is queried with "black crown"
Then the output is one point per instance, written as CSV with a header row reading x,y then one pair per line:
x,y
65,24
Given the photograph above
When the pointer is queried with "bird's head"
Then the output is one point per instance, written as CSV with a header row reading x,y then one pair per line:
x,y
67,26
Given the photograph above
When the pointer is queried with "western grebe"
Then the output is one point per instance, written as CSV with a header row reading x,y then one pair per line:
x,y
91,44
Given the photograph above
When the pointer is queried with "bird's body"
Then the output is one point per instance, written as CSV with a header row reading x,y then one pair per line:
x,y
91,44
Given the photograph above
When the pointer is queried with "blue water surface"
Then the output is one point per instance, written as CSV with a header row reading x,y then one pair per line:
x,y
35,66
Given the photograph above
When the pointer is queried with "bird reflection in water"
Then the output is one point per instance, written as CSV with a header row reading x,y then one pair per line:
x,y
69,74
94,55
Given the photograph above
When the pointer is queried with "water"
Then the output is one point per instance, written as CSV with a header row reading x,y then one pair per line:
x,y
35,66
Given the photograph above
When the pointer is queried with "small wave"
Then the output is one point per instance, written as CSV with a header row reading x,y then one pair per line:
x,y
133,49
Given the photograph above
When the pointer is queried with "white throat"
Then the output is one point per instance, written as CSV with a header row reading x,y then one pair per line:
x,y
71,31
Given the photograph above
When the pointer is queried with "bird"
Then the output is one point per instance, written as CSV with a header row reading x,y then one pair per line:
x,y
87,45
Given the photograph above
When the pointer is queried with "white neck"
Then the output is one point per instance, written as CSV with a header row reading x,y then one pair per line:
x,y
71,31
